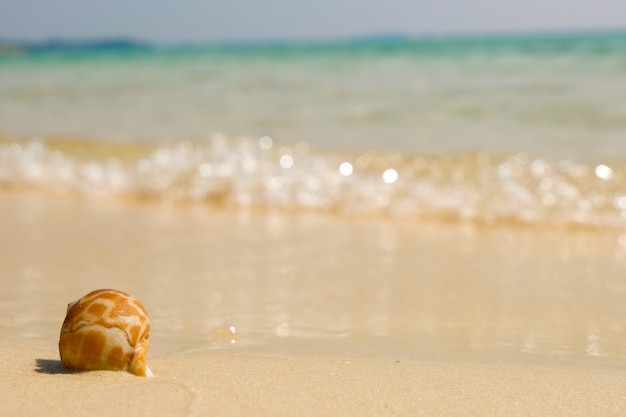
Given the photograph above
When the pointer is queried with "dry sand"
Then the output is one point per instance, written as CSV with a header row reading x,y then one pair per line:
x,y
333,317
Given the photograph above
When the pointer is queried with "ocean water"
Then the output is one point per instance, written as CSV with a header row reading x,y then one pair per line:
x,y
445,135
510,129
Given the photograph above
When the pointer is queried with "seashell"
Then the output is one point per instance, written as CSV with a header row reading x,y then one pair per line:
x,y
106,329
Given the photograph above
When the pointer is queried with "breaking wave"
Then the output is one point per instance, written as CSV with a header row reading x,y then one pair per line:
x,y
244,172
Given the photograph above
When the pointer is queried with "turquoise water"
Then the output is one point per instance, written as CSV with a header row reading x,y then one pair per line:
x,y
554,95
522,128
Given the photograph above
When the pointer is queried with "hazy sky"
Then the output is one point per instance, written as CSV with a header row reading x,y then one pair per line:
x,y
215,20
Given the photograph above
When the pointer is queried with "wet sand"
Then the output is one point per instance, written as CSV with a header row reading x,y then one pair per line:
x,y
221,384
306,314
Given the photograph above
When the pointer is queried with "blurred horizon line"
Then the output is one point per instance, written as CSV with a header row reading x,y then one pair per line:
x,y
120,42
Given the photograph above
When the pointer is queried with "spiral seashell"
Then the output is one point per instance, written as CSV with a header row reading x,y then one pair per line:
x,y
106,329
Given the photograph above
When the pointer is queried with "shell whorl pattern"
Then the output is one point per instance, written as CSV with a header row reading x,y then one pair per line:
x,y
106,329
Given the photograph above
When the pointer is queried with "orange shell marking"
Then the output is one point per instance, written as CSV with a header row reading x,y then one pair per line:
x,y
106,329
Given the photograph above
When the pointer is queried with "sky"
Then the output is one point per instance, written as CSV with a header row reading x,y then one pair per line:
x,y
174,21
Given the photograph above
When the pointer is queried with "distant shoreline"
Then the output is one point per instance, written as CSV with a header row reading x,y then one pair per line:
x,y
118,44
65,45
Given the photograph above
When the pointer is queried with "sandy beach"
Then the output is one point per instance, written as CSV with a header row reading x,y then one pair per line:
x,y
389,225
259,313
220,384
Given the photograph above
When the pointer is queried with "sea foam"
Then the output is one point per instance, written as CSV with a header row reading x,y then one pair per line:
x,y
244,172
